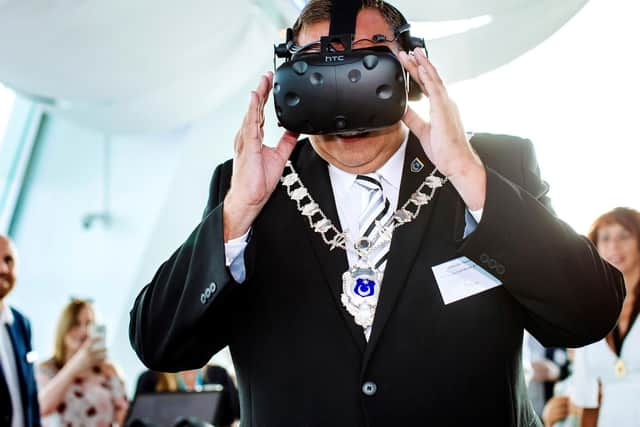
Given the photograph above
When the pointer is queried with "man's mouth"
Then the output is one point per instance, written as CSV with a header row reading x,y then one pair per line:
x,y
616,259
352,135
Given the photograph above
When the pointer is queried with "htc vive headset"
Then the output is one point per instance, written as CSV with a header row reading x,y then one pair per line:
x,y
332,87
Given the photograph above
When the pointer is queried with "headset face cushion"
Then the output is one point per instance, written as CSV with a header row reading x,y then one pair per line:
x,y
340,92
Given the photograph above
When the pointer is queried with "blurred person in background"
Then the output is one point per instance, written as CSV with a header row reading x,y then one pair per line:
x,y
196,380
18,391
606,374
544,366
559,411
78,386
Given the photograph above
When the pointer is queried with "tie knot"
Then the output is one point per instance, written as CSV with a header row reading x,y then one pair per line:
x,y
370,181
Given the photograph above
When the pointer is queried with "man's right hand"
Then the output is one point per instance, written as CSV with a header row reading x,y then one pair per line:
x,y
256,168
90,354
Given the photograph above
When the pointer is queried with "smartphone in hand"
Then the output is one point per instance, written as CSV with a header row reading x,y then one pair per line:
x,y
99,333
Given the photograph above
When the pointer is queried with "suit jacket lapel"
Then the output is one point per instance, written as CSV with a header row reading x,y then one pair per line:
x,y
405,243
19,351
314,174
4,387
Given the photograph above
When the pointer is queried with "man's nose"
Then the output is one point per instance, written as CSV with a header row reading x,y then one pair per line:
x,y
4,267
615,243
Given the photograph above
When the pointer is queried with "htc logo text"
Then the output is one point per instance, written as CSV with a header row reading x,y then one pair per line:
x,y
334,58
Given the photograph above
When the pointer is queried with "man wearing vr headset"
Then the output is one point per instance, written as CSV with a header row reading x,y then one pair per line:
x,y
286,266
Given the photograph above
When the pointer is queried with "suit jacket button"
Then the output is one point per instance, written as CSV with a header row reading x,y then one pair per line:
x,y
212,288
369,388
484,258
492,264
500,269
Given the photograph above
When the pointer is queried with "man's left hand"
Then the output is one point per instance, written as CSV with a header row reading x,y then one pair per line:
x,y
443,137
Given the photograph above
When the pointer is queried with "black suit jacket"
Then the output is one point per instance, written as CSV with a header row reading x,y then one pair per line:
x,y
20,334
300,358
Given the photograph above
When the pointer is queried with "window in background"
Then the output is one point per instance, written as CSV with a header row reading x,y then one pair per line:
x,y
19,124
6,103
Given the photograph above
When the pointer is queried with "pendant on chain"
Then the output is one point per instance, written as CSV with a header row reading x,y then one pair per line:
x,y
360,291
361,284
620,369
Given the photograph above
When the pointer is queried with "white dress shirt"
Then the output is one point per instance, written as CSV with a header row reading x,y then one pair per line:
x,y
9,368
351,198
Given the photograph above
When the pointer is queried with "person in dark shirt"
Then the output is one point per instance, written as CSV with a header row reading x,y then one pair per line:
x,y
196,380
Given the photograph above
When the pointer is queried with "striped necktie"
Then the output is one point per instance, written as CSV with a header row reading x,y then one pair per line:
x,y
377,210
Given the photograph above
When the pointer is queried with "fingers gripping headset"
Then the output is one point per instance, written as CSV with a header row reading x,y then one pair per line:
x,y
320,89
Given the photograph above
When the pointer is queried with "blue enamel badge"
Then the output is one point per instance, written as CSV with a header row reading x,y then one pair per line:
x,y
416,165
364,287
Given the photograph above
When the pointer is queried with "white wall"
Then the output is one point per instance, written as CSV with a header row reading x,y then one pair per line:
x,y
59,258
576,96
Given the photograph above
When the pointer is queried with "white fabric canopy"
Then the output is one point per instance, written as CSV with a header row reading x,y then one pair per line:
x,y
451,10
131,66
506,35
142,66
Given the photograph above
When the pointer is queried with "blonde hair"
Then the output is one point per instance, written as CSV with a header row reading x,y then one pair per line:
x,y
167,382
67,320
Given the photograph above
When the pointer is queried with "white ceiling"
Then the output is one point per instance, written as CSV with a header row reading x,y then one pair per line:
x,y
141,66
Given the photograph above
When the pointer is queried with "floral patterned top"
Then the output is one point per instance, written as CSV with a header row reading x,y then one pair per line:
x,y
92,400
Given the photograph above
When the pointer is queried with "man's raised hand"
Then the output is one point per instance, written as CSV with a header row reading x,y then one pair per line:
x,y
443,137
256,167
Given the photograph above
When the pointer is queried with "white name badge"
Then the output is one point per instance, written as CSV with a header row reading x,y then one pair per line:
x,y
460,278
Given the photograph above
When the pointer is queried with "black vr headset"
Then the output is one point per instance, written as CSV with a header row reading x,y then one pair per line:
x,y
333,87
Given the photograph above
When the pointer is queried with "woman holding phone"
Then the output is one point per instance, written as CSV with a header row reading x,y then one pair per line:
x,y
77,385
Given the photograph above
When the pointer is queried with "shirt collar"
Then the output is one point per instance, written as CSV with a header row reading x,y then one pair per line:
x,y
6,316
391,172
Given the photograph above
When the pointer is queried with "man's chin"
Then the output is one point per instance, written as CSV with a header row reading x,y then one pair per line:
x,y
5,288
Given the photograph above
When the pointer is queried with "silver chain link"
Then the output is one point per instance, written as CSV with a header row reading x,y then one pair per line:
x,y
335,238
